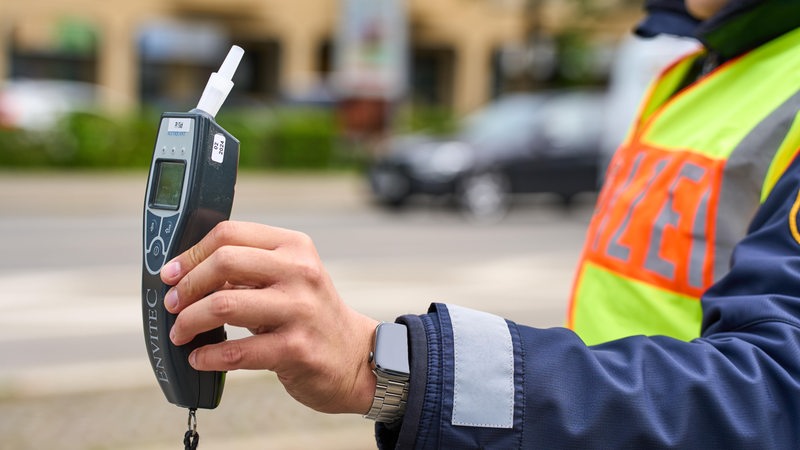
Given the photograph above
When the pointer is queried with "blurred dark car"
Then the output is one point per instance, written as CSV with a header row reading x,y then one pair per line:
x,y
524,143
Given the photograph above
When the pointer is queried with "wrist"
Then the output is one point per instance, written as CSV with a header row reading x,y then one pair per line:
x,y
366,380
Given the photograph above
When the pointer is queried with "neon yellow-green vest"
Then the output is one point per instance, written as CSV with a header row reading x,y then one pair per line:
x,y
681,191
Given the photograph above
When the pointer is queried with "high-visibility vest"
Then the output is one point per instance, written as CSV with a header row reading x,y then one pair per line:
x,y
682,190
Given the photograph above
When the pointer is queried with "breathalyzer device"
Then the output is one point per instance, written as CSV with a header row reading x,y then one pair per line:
x,y
189,190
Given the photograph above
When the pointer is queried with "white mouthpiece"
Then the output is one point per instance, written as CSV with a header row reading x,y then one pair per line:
x,y
219,83
228,67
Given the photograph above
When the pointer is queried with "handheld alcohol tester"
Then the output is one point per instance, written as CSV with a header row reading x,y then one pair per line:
x,y
189,190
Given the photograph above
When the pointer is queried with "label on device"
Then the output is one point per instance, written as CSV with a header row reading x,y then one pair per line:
x,y
179,125
218,151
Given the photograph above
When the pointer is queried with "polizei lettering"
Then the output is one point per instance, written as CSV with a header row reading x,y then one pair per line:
x,y
156,355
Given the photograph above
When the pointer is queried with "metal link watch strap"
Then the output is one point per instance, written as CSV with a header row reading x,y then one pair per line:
x,y
389,402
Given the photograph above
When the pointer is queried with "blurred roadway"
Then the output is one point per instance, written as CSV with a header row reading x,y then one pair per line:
x,y
74,374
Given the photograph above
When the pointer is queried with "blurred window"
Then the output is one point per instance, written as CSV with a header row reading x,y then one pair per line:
x,y
63,48
432,74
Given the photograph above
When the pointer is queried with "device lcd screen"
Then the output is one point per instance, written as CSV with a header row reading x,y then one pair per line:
x,y
169,184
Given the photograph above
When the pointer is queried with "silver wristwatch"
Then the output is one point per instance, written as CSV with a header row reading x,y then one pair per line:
x,y
389,359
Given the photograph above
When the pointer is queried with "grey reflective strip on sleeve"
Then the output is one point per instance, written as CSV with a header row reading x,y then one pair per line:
x,y
483,390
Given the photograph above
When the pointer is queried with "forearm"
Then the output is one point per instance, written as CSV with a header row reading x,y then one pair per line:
x,y
634,393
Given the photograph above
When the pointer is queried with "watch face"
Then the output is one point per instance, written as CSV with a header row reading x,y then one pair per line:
x,y
391,349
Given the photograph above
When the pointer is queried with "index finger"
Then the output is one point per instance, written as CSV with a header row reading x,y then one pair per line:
x,y
240,234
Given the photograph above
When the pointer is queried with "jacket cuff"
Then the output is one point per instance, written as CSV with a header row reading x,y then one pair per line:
x,y
488,409
403,434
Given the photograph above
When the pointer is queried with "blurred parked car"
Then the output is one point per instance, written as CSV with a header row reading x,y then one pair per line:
x,y
36,105
524,143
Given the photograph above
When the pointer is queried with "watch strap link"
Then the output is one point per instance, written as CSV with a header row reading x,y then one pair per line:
x,y
389,402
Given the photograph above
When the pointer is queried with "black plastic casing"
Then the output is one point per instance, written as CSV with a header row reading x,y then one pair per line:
x,y
206,198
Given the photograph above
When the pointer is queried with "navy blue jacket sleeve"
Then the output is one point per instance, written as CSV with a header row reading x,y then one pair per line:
x,y
737,386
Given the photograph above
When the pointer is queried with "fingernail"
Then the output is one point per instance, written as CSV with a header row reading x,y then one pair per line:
x,y
193,358
172,269
171,299
172,335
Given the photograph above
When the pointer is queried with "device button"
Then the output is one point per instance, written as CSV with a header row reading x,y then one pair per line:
x,y
156,256
168,225
152,227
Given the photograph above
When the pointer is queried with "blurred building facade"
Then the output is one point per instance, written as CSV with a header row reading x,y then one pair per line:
x,y
461,51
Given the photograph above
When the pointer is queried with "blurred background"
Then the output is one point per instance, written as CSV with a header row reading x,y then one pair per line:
x,y
89,75
436,150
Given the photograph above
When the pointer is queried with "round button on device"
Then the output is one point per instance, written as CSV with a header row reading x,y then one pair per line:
x,y
155,256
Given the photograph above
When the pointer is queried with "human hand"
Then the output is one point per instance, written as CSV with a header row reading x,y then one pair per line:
x,y
271,281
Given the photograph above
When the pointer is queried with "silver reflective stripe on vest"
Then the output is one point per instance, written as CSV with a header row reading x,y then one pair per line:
x,y
483,388
743,179
669,217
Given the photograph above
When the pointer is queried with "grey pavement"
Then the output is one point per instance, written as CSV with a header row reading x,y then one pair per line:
x,y
75,373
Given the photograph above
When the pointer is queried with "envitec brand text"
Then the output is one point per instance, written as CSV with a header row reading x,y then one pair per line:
x,y
156,354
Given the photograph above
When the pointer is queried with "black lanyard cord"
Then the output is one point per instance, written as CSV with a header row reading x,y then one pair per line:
x,y
191,438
